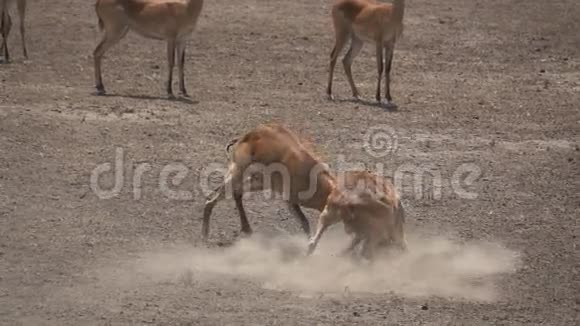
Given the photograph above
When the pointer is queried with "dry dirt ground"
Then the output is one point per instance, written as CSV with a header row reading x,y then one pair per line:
x,y
488,86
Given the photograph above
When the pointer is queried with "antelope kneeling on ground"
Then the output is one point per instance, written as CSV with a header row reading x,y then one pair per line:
x,y
366,21
370,209
6,26
169,20
272,157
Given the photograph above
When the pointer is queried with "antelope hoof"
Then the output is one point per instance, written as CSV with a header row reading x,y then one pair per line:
x,y
205,234
311,247
100,91
389,105
170,96
246,233
184,94
330,97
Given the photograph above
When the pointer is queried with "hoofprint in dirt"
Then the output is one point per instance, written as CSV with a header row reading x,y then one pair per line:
x,y
475,84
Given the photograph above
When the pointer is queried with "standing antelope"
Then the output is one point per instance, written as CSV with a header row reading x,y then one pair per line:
x,y
272,157
366,21
6,25
169,20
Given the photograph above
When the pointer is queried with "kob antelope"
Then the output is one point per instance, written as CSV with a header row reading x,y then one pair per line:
x,y
6,25
370,210
366,21
169,20
272,157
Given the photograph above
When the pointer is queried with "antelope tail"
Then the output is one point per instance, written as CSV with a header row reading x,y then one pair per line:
x,y
230,144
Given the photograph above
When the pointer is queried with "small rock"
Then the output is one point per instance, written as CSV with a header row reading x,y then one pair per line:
x,y
356,314
424,307
542,71
570,159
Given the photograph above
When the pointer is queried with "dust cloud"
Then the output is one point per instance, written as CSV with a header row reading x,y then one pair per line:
x,y
432,267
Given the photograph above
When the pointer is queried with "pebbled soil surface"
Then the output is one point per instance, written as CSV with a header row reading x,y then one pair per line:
x,y
488,95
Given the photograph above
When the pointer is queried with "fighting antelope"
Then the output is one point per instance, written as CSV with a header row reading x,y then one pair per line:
x,y
273,157
6,25
169,20
366,21
370,210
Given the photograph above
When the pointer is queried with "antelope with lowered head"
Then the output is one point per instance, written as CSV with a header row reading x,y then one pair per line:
x,y
169,20
6,26
370,209
272,157
366,21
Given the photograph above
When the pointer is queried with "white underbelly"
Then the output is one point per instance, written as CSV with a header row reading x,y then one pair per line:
x,y
158,32
368,36
154,32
